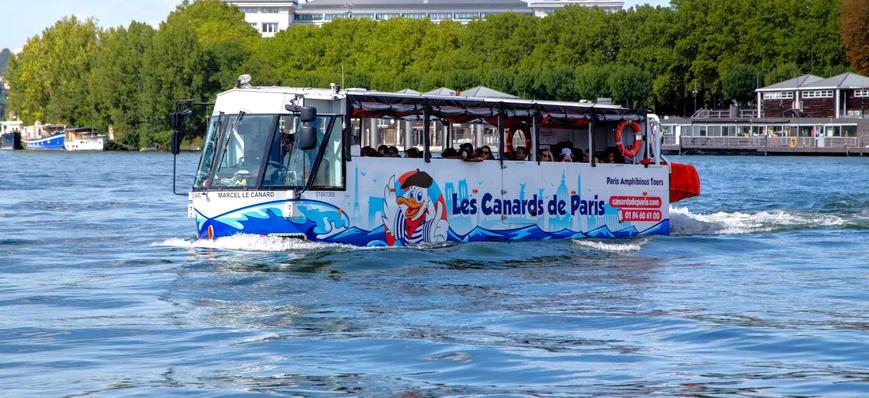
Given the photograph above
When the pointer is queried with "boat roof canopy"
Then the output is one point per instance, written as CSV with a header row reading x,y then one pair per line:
x,y
408,105
475,109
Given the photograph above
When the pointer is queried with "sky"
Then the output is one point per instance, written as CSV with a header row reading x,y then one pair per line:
x,y
22,19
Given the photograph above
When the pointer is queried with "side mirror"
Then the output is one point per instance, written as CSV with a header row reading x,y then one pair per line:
x,y
308,138
175,144
177,120
307,114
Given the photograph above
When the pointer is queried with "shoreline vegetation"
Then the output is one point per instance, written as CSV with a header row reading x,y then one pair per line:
x,y
693,54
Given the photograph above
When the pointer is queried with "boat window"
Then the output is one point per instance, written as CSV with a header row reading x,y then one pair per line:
x,y
243,151
289,166
208,151
330,172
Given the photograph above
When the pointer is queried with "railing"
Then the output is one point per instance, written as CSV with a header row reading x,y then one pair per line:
x,y
704,113
769,142
669,140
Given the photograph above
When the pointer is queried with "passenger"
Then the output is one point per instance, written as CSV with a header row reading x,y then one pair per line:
x,y
412,152
585,156
449,153
566,155
611,158
464,154
485,153
507,155
382,151
545,155
467,147
392,152
521,153
366,151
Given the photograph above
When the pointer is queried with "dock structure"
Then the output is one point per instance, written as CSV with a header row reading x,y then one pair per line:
x,y
807,115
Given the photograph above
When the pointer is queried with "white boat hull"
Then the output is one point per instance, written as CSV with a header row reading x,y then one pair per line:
x,y
86,144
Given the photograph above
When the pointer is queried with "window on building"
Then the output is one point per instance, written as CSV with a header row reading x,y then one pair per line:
x,y
440,16
383,17
270,27
330,17
861,93
249,10
489,14
818,94
254,25
360,16
271,10
466,15
779,95
414,16
308,17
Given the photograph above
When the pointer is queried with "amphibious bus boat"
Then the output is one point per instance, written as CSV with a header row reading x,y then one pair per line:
x,y
286,162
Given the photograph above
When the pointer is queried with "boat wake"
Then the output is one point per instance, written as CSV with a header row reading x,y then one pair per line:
x,y
615,246
252,243
683,222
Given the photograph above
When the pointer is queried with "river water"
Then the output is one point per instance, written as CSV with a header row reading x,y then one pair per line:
x,y
761,290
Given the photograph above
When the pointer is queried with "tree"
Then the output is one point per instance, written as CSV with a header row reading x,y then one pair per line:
x,y
527,84
115,79
781,73
4,60
740,83
591,81
49,78
630,84
854,33
197,52
462,80
498,79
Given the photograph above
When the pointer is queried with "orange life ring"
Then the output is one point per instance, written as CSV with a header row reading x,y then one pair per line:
x,y
638,143
508,139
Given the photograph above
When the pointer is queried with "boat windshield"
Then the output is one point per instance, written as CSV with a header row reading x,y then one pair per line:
x,y
288,165
208,150
243,147
249,153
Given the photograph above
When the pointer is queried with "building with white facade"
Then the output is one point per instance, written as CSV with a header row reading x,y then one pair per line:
x,y
270,16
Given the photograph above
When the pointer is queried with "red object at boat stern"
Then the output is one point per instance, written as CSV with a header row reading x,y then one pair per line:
x,y
684,182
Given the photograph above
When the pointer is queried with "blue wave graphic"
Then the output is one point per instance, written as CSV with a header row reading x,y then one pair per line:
x,y
326,223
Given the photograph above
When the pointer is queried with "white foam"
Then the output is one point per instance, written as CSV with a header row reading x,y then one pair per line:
x,y
252,243
615,246
683,222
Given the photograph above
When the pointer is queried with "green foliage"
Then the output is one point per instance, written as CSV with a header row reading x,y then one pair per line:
x,y
49,78
528,85
462,80
4,60
631,85
592,82
740,83
500,80
116,83
782,72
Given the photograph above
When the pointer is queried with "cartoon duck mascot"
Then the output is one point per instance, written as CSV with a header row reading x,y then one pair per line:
x,y
413,218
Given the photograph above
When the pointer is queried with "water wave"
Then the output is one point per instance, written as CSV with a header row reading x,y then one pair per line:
x,y
684,222
252,243
615,246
